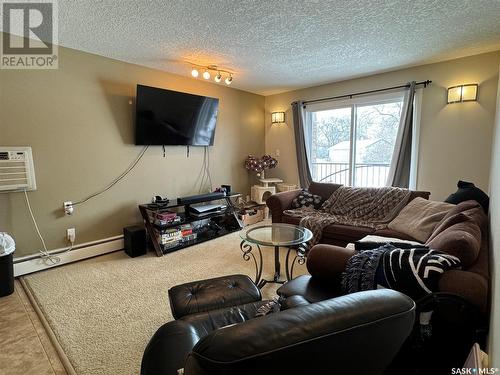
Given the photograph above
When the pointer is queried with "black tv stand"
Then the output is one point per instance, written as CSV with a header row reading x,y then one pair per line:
x,y
206,227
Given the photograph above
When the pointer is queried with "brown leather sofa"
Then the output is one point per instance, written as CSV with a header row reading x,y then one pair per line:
x,y
339,235
463,232
218,331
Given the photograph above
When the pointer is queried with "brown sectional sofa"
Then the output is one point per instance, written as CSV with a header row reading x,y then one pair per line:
x,y
339,235
463,232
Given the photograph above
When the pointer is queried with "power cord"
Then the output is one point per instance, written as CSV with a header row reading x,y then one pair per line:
x,y
208,168
44,253
206,178
116,180
46,256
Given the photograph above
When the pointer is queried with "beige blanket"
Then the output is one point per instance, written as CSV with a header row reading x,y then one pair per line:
x,y
364,207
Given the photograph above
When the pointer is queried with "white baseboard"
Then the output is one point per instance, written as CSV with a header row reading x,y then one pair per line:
x,y
84,251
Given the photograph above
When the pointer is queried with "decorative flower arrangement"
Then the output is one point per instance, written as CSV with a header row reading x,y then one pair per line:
x,y
259,165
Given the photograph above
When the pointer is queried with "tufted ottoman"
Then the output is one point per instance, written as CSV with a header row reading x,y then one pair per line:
x,y
212,294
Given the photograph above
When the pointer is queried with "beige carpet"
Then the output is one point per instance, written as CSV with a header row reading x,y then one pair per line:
x,y
103,311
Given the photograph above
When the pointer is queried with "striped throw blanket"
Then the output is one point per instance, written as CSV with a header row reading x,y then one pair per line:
x,y
364,207
414,272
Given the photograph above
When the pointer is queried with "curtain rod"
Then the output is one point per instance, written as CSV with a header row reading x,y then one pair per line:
x,y
350,96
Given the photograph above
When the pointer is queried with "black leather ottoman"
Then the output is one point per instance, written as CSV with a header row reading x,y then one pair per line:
x,y
199,307
212,294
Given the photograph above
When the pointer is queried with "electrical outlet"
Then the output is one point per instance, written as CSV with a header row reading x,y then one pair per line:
x,y
71,234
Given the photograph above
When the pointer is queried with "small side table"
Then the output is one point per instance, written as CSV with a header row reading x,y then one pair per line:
x,y
275,235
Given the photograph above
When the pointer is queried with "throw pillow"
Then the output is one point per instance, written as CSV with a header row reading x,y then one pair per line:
x,y
447,222
419,218
306,199
462,240
468,191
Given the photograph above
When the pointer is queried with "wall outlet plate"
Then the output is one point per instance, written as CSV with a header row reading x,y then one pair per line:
x,y
68,207
71,234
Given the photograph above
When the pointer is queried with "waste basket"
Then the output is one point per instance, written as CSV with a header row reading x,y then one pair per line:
x,y
7,247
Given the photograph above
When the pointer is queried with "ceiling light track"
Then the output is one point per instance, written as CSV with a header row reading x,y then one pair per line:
x,y
208,70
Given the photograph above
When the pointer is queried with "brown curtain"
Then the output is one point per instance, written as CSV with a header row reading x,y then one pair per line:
x,y
399,172
298,113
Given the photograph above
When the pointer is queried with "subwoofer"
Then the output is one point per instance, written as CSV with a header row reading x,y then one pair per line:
x,y
134,239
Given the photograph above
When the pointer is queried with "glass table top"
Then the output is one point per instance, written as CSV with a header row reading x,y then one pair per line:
x,y
277,235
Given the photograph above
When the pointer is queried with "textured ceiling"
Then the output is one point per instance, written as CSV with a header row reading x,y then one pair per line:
x,y
275,46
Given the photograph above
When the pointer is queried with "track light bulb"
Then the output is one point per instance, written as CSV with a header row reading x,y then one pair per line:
x,y
206,74
218,77
195,73
229,80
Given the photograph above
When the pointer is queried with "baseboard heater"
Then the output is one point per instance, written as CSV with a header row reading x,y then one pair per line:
x,y
33,263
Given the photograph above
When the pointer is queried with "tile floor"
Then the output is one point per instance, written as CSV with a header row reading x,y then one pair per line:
x,y
25,347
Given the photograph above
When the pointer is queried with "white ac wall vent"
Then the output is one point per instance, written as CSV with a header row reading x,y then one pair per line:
x,y
17,172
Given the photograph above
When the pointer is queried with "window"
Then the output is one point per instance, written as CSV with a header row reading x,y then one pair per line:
x,y
351,142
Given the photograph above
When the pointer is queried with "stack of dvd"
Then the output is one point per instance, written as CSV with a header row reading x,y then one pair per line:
x,y
169,237
187,233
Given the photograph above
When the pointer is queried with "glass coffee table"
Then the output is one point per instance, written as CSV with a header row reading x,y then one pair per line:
x,y
292,237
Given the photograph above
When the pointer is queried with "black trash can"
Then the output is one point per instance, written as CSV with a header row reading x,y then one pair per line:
x,y
6,265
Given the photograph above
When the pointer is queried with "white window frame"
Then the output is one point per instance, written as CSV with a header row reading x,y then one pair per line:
x,y
366,100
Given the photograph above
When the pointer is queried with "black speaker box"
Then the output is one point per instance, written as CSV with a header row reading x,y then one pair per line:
x,y
134,238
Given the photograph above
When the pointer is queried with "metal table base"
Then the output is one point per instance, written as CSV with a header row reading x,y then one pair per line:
x,y
248,253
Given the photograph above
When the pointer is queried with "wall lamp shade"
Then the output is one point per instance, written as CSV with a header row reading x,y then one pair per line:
x,y
278,117
462,93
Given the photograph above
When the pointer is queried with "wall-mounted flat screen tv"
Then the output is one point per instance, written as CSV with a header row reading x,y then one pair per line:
x,y
172,118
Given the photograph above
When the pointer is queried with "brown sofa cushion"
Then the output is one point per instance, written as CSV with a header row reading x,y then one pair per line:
x,y
418,193
419,218
469,285
462,239
468,210
461,207
322,189
327,262
447,222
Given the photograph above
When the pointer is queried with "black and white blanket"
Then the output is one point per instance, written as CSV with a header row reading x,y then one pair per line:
x,y
414,272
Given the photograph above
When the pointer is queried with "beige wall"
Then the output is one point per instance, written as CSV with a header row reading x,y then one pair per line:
x,y
494,344
80,125
79,122
455,140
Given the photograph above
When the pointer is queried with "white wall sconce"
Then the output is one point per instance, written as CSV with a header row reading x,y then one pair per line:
x,y
462,93
277,117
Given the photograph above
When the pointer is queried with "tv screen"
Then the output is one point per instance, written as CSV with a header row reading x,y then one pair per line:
x,y
172,118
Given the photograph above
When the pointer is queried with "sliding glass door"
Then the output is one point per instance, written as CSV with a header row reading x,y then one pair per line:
x,y
330,147
351,143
